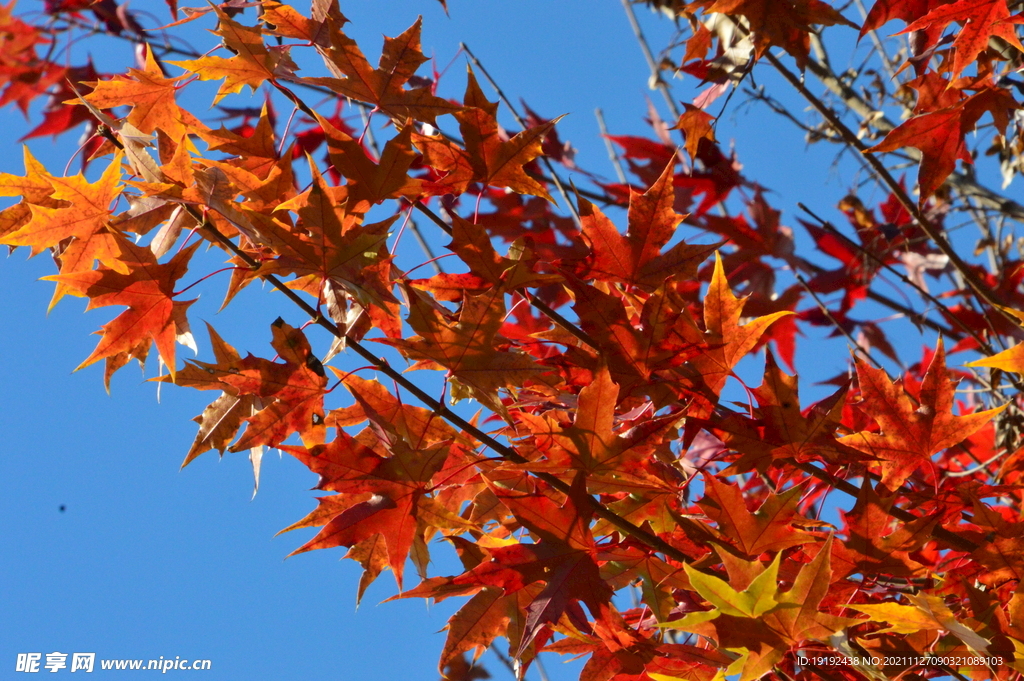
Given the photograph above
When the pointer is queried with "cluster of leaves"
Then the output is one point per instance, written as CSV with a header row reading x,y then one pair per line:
x,y
607,458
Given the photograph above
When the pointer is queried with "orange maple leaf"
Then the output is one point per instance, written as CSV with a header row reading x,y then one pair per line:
x,y
371,183
148,290
637,258
726,341
33,188
286,21
376,495
613,461
471,242
335,257
562,556
696,125
82,216
769,528
939,135
151,96
979,19
252,65
417,426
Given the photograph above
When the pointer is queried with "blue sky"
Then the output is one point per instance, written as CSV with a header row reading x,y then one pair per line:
x,y
148,561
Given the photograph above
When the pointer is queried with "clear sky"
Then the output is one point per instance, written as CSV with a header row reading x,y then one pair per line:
x,y
106,547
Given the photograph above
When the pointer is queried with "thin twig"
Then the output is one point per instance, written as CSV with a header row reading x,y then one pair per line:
x,y
839,327
982,290
902,277
656,80
981,466
612,154
504,660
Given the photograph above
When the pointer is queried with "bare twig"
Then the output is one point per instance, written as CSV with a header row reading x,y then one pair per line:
x,y
902,277
839,327
612,154
656,80
980,288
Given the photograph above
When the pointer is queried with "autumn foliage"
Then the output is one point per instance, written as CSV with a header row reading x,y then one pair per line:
x,y
598,329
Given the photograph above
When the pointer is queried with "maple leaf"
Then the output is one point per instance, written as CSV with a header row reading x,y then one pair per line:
x,y
939,135
147,289
496,162
335,257
468,348
473,245
493,611
867,550
924,613
614,462
286,21
252,63
884,11
1011,359
382,87
376,495
753,616
415,425
220,421
368,182
980,20
637,258
563,557
696,125
659,578
784,24
488,157
34,189
63,83
779,431
751,534
83,218
911,434
257,154
151,96
459,669
290,395
726,341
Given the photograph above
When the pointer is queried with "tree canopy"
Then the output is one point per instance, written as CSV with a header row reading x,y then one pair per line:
x,y
582,386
